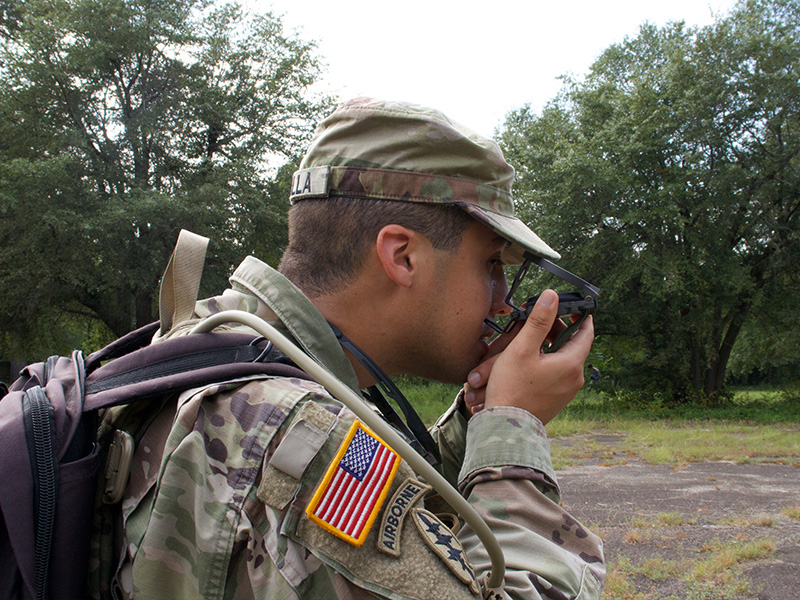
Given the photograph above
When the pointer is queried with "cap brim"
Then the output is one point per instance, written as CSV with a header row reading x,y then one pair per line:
x,y
515,231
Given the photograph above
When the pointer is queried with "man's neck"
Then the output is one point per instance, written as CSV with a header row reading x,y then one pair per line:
x,y
357,320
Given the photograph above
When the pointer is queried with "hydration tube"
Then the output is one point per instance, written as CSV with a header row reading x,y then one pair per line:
x,y
374,421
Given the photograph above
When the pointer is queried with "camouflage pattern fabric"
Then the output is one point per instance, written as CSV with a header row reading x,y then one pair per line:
x,y
369,148
223,513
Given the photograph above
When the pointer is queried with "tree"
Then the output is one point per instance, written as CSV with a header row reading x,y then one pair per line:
x,y
122,121
671,176
9,16
768,348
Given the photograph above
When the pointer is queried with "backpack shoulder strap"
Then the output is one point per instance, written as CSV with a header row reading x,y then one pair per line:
x,y
181,280
182,363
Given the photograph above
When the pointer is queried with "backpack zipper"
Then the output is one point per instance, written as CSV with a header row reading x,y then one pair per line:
x,y
39,414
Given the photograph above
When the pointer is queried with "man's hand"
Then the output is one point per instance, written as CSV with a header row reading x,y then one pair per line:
x,y
517,372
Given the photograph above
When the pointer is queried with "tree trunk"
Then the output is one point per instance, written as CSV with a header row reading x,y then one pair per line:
x,y
696,363
144,308
715,375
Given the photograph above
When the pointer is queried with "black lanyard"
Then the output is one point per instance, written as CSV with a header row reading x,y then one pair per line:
x,y
413,428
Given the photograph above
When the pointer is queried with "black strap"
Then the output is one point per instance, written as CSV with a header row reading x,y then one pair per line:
x,y
180,363
389,413
136,339
177,364
413,428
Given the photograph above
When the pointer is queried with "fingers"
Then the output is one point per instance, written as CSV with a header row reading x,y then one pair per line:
x,y
517,372
475,388
541,325
523,376
480,374
474,399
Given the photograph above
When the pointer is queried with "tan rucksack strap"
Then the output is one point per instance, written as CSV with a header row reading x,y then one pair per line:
x,y
181,280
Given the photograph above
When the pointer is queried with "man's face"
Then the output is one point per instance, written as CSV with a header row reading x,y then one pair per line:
x,y
467,287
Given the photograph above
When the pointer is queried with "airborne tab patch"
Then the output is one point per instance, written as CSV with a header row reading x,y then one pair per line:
x,y
347,501
395,513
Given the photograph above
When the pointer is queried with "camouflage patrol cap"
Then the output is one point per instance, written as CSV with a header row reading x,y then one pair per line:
x,y
371,148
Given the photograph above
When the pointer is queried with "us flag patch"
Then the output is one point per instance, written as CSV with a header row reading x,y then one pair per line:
x,y
347,501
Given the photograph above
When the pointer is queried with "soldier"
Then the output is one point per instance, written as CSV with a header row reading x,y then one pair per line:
x,y
401,223
594,374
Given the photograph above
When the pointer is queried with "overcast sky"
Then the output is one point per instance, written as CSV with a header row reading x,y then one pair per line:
x,y
474,60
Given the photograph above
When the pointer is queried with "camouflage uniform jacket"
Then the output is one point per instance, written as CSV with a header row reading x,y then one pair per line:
x,y
222,513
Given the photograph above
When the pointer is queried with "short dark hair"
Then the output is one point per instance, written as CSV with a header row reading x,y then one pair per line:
x,y
329,239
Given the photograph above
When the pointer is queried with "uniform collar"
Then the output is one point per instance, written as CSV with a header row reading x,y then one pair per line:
x,y
283,305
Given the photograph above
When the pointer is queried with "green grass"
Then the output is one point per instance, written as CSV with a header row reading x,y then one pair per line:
x,y
660,443
753,426
793,512
720,574
675,443
429,398
592,410
714,572
749,405
742,521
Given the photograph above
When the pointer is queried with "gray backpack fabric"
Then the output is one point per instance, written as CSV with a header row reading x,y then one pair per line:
x,y
50,454
49,451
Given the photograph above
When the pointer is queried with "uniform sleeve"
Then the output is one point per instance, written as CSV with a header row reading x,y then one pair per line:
x,y
508,478
450,435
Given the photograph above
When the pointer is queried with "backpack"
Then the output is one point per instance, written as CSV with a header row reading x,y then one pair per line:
x,y
50,452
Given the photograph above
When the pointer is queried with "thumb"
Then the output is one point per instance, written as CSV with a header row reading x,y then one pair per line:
x,y
540,321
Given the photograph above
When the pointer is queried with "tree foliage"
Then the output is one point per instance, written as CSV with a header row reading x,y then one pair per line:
x,y
670,176
122,121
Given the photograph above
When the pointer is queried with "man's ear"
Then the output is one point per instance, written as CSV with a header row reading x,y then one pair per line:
x,y
401,251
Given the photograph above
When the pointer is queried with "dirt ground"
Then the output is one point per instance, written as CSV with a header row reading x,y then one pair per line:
x,y
652,515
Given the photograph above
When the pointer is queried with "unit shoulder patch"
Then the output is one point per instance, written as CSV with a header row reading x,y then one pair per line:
x,y
446,546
